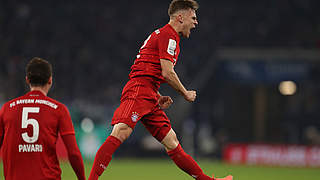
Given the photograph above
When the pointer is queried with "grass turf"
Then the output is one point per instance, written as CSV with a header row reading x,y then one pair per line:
x,y
164,169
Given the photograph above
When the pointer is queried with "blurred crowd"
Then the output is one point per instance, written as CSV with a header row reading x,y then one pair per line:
x,y
92,44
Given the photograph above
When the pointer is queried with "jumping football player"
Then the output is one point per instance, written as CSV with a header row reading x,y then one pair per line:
x,y
141,101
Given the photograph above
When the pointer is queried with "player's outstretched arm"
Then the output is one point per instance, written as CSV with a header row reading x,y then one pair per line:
x,y
74,155
173,80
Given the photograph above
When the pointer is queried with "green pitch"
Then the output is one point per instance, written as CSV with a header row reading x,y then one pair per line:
x,y
157,169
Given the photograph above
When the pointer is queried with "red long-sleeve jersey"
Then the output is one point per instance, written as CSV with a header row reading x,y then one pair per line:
x,y
29,127
163,43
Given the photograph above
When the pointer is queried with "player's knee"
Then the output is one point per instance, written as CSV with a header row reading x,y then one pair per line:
x,y
173,143
170,141
121,131
121,135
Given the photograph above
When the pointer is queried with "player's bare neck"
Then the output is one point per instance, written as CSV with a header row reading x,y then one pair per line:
x,y
44,90
175,25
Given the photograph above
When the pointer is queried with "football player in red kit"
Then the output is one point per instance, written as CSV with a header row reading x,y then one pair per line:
x,y
141,101
29,127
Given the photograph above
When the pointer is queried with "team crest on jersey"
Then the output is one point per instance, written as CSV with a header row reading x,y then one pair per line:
x,y
134,116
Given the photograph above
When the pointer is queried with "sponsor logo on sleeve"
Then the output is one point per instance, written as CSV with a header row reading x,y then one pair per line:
x,y
172,47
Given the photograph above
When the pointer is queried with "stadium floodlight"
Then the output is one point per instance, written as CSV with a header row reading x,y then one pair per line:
x,y
87,125
287,88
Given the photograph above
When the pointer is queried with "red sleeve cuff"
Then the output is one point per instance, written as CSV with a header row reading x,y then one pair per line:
x,y
167,58
67,133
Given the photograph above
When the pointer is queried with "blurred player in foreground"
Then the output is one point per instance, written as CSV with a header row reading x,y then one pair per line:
x,y
29,127
141,101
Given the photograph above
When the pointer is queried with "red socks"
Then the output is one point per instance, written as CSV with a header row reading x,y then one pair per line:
x,y
104,156
187,164
180,158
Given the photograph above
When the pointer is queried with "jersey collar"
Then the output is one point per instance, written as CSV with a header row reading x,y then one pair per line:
x,y
35,93
173,30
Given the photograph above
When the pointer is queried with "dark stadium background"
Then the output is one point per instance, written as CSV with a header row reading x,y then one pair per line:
x,y
235,59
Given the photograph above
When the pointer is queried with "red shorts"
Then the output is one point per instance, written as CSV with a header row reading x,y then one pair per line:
x,y
139,101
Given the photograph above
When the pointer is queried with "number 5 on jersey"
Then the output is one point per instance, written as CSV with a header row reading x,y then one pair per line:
x,y
33,122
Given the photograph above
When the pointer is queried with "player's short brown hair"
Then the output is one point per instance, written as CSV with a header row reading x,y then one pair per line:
x,y
177,5
38,71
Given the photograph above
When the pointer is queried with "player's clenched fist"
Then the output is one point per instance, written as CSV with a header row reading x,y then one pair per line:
x,y
165,102
190,96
